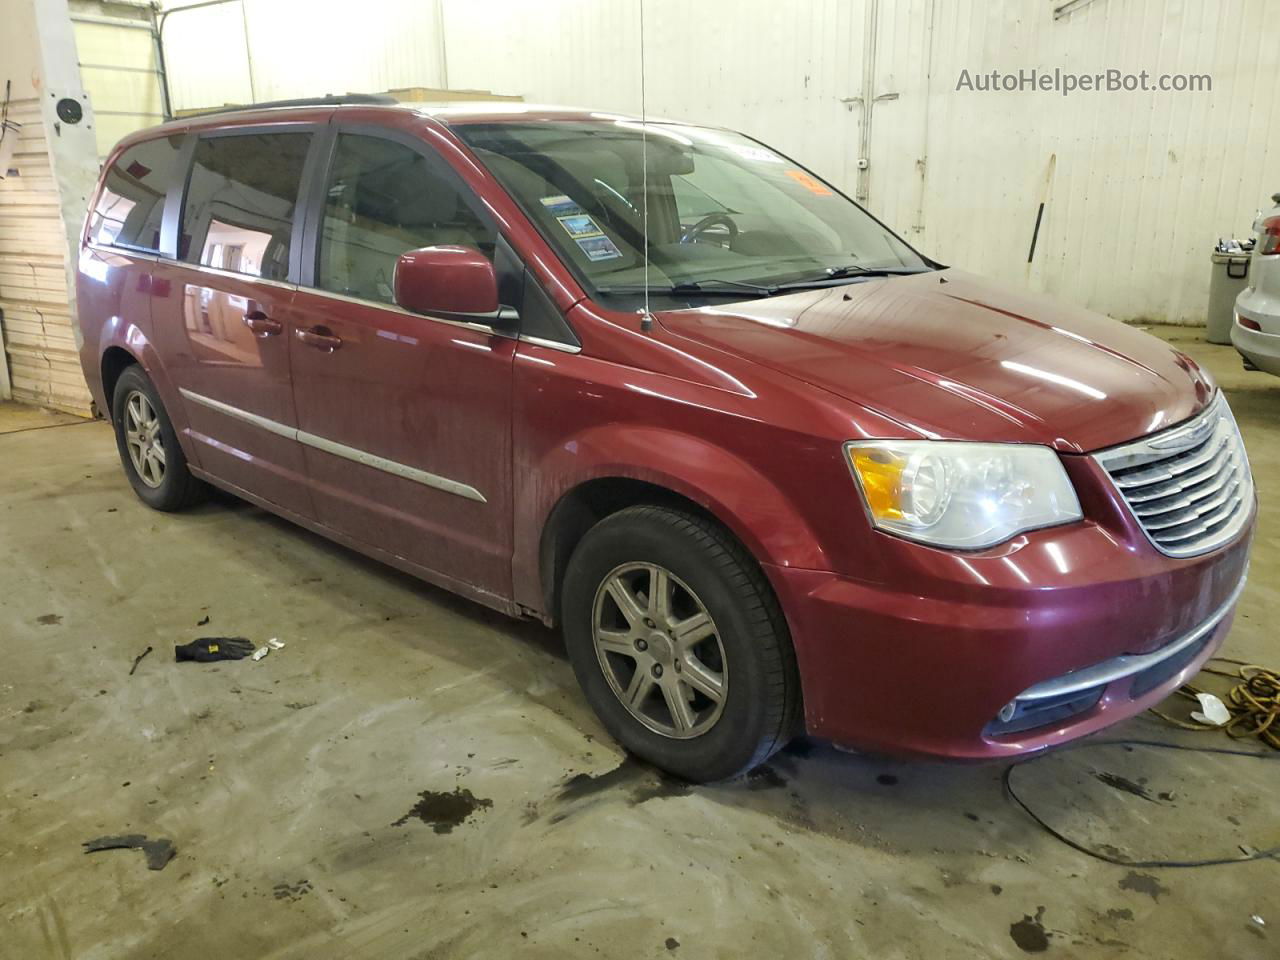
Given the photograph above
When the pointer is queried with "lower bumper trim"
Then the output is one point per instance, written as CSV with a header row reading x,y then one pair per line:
x,y
1127,665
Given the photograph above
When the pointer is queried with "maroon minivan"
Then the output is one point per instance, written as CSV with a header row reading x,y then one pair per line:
x,y
770,469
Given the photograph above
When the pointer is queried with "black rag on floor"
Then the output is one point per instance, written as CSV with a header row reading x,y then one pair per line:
x,y
207,649
159,852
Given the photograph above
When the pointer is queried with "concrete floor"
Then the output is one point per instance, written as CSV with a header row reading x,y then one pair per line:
x,y
284,784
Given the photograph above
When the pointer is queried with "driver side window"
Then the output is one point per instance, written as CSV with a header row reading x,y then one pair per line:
x,y
383,199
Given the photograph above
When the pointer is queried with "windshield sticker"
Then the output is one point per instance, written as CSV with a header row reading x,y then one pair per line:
x,y
598,247
809,183
559,206
580,225
759,154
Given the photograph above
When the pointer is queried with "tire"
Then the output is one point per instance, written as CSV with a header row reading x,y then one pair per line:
x,y
745,645
164,483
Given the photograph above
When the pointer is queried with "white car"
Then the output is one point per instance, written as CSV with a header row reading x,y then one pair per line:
x,y
1256,331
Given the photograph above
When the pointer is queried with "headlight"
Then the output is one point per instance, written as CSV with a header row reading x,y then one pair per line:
x,y
963,495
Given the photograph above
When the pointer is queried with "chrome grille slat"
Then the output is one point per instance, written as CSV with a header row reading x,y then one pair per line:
x,y
1191,500
1164,521
1190,495
1193,489
1204,526
1168,470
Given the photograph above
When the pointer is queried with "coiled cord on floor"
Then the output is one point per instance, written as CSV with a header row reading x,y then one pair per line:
x,y
1253,702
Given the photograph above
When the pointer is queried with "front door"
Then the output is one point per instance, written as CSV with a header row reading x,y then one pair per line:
x,y
405,420
222,315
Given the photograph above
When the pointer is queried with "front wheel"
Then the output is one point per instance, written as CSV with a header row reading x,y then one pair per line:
x,y
679,643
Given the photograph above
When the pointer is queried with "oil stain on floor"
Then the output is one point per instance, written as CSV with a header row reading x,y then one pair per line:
x,y
641,781
444,811
1029,933
1123,783
1143,883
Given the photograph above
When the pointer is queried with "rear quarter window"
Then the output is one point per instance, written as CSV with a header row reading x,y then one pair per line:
x,y
239,208
131,204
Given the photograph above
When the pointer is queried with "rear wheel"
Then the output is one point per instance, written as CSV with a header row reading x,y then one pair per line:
x,y
679,643
149,450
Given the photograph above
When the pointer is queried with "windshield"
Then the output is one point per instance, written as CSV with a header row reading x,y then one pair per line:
x,y
725,212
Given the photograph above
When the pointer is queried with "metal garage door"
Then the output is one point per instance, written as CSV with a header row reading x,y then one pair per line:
x,y
116,45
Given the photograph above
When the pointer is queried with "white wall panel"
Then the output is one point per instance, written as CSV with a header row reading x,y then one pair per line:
x,y
206,57
299,49
567,51
1136,186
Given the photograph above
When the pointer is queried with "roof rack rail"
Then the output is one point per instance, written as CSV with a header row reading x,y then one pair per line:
x,y
329,100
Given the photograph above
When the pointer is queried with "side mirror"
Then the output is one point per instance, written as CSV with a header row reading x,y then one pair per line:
x,y
446,279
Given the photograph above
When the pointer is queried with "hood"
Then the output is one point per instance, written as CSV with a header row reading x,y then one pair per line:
x,y
954,356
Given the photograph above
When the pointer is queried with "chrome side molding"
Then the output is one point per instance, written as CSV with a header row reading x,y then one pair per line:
x,y
353,454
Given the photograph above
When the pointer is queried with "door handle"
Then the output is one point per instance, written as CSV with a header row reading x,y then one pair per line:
x,y
322,338
261,324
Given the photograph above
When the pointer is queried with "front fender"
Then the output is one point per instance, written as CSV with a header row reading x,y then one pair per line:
x,y
722,483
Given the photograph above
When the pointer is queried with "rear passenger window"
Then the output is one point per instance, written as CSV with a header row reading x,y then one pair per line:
x,y
385,198
238,213
131,205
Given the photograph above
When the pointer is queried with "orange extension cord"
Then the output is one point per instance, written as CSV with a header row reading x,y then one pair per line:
x,y
1253,702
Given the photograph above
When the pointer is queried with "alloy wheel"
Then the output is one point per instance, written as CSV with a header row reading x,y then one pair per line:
x,y
660,650
142,437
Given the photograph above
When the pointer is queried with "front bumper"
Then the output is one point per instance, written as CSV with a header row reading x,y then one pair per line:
x,y
927,667
1128,675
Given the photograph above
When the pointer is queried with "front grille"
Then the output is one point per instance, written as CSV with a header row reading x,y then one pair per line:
x,y
1189,487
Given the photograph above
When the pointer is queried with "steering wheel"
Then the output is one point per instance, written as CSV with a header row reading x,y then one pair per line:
x,y
710,220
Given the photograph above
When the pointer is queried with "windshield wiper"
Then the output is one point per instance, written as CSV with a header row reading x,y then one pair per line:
x,y
713,288
843,273
735,288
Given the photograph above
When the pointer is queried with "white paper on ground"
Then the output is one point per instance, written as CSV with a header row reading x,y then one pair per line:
x,y
1212,710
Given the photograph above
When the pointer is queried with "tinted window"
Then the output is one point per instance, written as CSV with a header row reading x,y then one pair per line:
x,y
131,204
240,201
385,198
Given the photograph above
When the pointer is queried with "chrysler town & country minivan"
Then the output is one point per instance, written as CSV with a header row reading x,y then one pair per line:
x,y
768,468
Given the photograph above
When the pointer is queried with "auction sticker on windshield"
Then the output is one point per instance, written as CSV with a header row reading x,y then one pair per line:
x,y
598,247
560,205
580,225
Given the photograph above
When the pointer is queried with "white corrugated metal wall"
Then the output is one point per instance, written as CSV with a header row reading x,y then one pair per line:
x,y
1136,186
